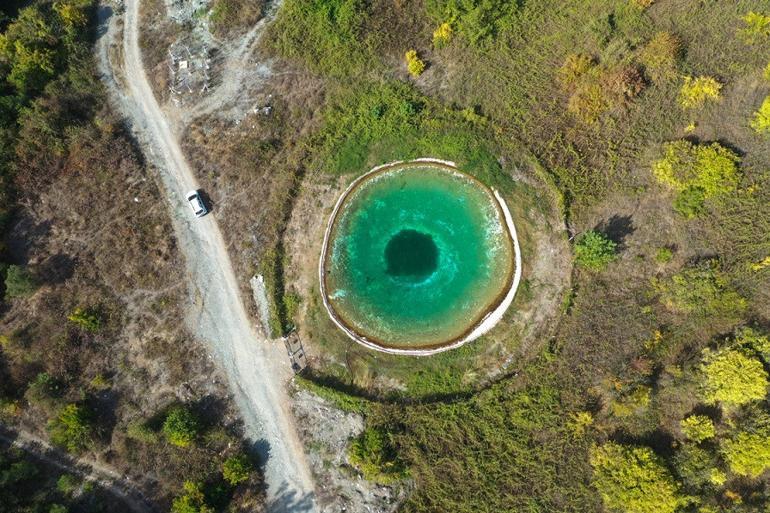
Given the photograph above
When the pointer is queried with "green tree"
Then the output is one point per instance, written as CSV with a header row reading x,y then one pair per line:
x,y
748,454
72,428
18,282
594,250
695,465
732,378
698,428
634,480
236,469
181,426
192,500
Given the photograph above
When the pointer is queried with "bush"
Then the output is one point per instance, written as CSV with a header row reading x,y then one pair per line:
x,y
757,27
575,66
634,480
236,469
659,56
87,319
442,35
748,454
18,282
701,290
622,84
754,341
72,428
696,92
632,403
67,483
710,167
140,431
664,255
594,250
698,428
732,378
478,21
192,500
691,202
414,64
761,120
375,456
181,427
588,103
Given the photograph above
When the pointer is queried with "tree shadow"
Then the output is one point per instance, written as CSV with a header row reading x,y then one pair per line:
x,y
289,501
103,15
24,235
258,451
617,228
57,268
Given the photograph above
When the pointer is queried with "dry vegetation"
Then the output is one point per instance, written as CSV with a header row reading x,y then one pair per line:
x,y
93,353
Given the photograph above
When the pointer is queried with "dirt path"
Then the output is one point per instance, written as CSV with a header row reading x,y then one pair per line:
x,y
86,469
257,370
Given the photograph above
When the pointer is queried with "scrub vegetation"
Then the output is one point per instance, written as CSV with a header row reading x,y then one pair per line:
x,y
93,359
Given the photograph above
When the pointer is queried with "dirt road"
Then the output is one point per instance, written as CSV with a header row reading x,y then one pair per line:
x,y
257,370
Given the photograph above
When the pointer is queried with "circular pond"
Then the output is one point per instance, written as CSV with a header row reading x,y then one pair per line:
x,y
418,258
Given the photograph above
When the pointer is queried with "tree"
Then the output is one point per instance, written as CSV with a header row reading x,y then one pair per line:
x,y
594,250
236,469
192,500
698,428
748,454
633,480
18,282
72,428
732,378
695,465
181,426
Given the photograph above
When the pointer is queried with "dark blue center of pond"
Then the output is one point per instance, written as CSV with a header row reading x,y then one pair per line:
x,y
411,254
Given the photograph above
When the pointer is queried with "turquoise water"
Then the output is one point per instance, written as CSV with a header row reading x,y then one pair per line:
x,y
417,256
